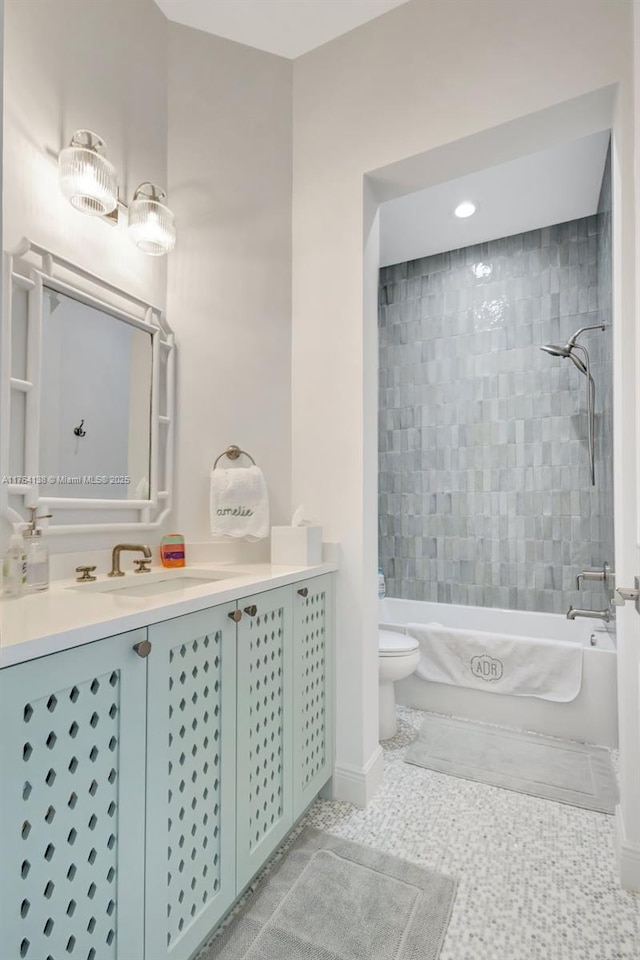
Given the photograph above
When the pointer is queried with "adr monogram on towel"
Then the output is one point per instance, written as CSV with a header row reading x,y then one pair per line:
x,y
234,512
486,667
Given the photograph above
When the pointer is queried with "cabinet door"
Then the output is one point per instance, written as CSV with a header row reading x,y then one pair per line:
x,y
312,688
265,716
71,803
191,720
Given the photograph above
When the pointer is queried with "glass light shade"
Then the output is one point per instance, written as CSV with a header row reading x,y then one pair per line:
x,y
152,225
88,180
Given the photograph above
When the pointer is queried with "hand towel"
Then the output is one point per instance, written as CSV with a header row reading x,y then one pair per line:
x,y
499,663
239,503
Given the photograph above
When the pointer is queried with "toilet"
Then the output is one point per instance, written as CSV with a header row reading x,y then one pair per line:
x,y
398,657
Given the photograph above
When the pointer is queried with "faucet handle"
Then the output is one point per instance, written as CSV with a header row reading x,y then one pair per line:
x,y
589,575
605,576
86,574
142,566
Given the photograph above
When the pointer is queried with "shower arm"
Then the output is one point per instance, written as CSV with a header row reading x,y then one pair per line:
x,y
591,396
592,326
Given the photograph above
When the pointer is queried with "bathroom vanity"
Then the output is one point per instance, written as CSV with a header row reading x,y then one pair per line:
x,y
155,752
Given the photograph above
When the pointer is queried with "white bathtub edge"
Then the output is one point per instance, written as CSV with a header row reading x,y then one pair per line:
x,y
591,718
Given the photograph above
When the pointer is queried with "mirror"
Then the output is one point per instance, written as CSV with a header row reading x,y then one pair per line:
x,y
86,399
95,402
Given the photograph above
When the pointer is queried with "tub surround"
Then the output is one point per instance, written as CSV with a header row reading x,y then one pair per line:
x,y
485,493
60,618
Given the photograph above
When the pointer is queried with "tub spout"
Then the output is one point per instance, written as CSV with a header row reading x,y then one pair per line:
x,y
574,612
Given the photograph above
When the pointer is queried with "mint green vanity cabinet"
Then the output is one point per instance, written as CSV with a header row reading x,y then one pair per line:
x,y
312,687
72,786
191,761
147,777
265,735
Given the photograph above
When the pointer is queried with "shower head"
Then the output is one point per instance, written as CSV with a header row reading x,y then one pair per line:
x,y
571,345
555,350
566,351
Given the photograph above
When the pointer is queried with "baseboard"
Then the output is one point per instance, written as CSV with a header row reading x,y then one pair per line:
x,y
628,857
357,785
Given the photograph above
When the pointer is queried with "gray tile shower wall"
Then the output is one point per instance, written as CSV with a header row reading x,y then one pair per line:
x,y
484,487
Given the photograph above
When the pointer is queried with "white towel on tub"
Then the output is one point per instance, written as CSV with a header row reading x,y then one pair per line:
x,y
239,503
499,663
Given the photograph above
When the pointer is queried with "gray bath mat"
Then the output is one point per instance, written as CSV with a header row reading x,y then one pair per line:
x,y
576,773
331,899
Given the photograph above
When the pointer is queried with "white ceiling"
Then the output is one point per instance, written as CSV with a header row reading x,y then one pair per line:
x,y
552,186
287,28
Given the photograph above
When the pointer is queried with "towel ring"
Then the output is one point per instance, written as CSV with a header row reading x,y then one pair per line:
x,y
233,452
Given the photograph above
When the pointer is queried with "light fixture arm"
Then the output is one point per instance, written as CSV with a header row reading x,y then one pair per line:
x,y
149,191
88,140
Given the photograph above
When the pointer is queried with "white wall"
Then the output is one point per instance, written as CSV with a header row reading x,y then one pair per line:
x,y
122,70
420,77
71,65
230,274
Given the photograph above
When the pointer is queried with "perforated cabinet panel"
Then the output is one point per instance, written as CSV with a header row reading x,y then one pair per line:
x,y
313,740
72,760
265,714
191,771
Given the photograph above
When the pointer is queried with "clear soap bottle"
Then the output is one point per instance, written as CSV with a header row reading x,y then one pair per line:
x,y
14,566
37,554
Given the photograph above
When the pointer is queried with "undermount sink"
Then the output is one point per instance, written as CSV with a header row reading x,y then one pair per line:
x,y
153,584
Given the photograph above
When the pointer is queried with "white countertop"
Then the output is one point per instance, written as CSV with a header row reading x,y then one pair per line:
x,y
60,618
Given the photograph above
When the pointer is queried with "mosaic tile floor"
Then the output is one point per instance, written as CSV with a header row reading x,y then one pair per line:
x,y
536,879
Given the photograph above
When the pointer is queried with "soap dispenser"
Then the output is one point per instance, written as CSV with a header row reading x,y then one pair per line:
x,y
37,554
14,565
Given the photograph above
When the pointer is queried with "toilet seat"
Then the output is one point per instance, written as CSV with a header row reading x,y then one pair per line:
x,y
392,644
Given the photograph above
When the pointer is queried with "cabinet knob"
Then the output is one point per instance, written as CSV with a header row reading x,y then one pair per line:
x,y
251,610
303,591
236,615
143,649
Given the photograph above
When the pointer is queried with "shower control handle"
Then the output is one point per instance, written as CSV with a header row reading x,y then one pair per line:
x,y
589,575
606,576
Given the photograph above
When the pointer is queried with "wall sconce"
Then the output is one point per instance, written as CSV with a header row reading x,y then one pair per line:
x,y
90,183
151,223
88,180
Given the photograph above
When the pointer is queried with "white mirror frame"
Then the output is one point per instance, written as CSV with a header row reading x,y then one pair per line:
x,y
54,272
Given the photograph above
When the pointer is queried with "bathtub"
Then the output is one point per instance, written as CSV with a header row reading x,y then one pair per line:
x,y
592,717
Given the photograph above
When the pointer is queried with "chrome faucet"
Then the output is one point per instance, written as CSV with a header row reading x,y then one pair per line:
x,y
574,612
117,550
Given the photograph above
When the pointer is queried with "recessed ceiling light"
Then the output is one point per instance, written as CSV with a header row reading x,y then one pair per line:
x,y
465,209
